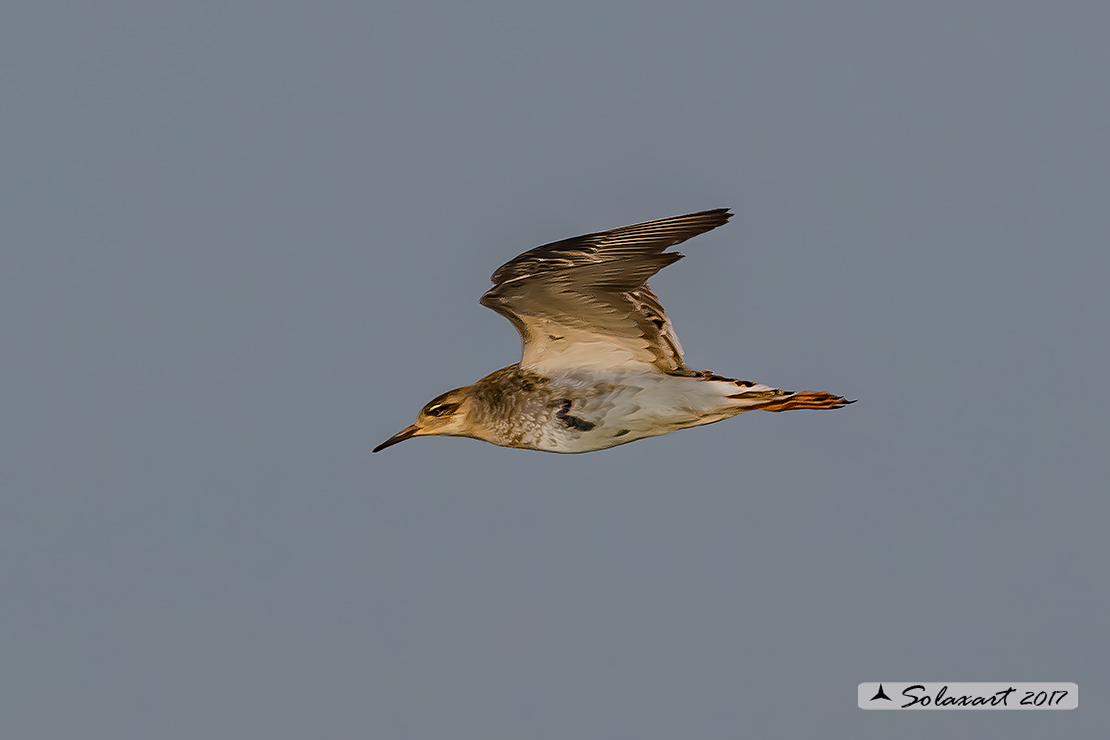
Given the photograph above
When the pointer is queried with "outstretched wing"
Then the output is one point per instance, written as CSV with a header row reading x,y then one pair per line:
x,y
585,303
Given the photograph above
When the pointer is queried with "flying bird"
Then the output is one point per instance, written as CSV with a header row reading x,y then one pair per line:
x,y
601,365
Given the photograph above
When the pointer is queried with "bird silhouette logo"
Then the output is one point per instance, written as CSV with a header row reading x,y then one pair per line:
x,y
881,694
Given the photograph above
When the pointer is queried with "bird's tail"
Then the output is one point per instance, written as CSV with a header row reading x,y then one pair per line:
x,y
744,395
802,400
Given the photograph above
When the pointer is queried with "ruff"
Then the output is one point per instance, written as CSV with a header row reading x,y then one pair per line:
x,y
601,365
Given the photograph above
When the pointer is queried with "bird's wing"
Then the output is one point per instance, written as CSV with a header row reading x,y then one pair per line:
x,y
584,302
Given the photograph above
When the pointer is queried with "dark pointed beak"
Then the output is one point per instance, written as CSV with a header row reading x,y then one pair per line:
x,y
400,436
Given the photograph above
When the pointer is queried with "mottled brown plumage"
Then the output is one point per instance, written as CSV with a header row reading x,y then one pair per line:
x,y
601,364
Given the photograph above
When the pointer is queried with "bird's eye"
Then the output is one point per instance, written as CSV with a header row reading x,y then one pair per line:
x,y
441,409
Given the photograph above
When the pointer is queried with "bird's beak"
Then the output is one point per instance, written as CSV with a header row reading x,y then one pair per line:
x,y
400,436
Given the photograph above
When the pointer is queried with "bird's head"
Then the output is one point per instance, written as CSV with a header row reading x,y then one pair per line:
x,y
444,416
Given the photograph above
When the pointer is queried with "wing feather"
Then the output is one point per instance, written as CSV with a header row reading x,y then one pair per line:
x,y
584,302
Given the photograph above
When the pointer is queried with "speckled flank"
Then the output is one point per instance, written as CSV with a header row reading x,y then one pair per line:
x,y
572,422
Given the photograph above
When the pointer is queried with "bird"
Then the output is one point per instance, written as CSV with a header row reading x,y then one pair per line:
x,y
601,365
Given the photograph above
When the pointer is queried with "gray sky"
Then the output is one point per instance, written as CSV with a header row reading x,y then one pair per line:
x,y
244,243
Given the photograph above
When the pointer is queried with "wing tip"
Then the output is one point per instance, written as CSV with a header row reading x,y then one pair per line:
x,y
705,220
714,214
664,232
